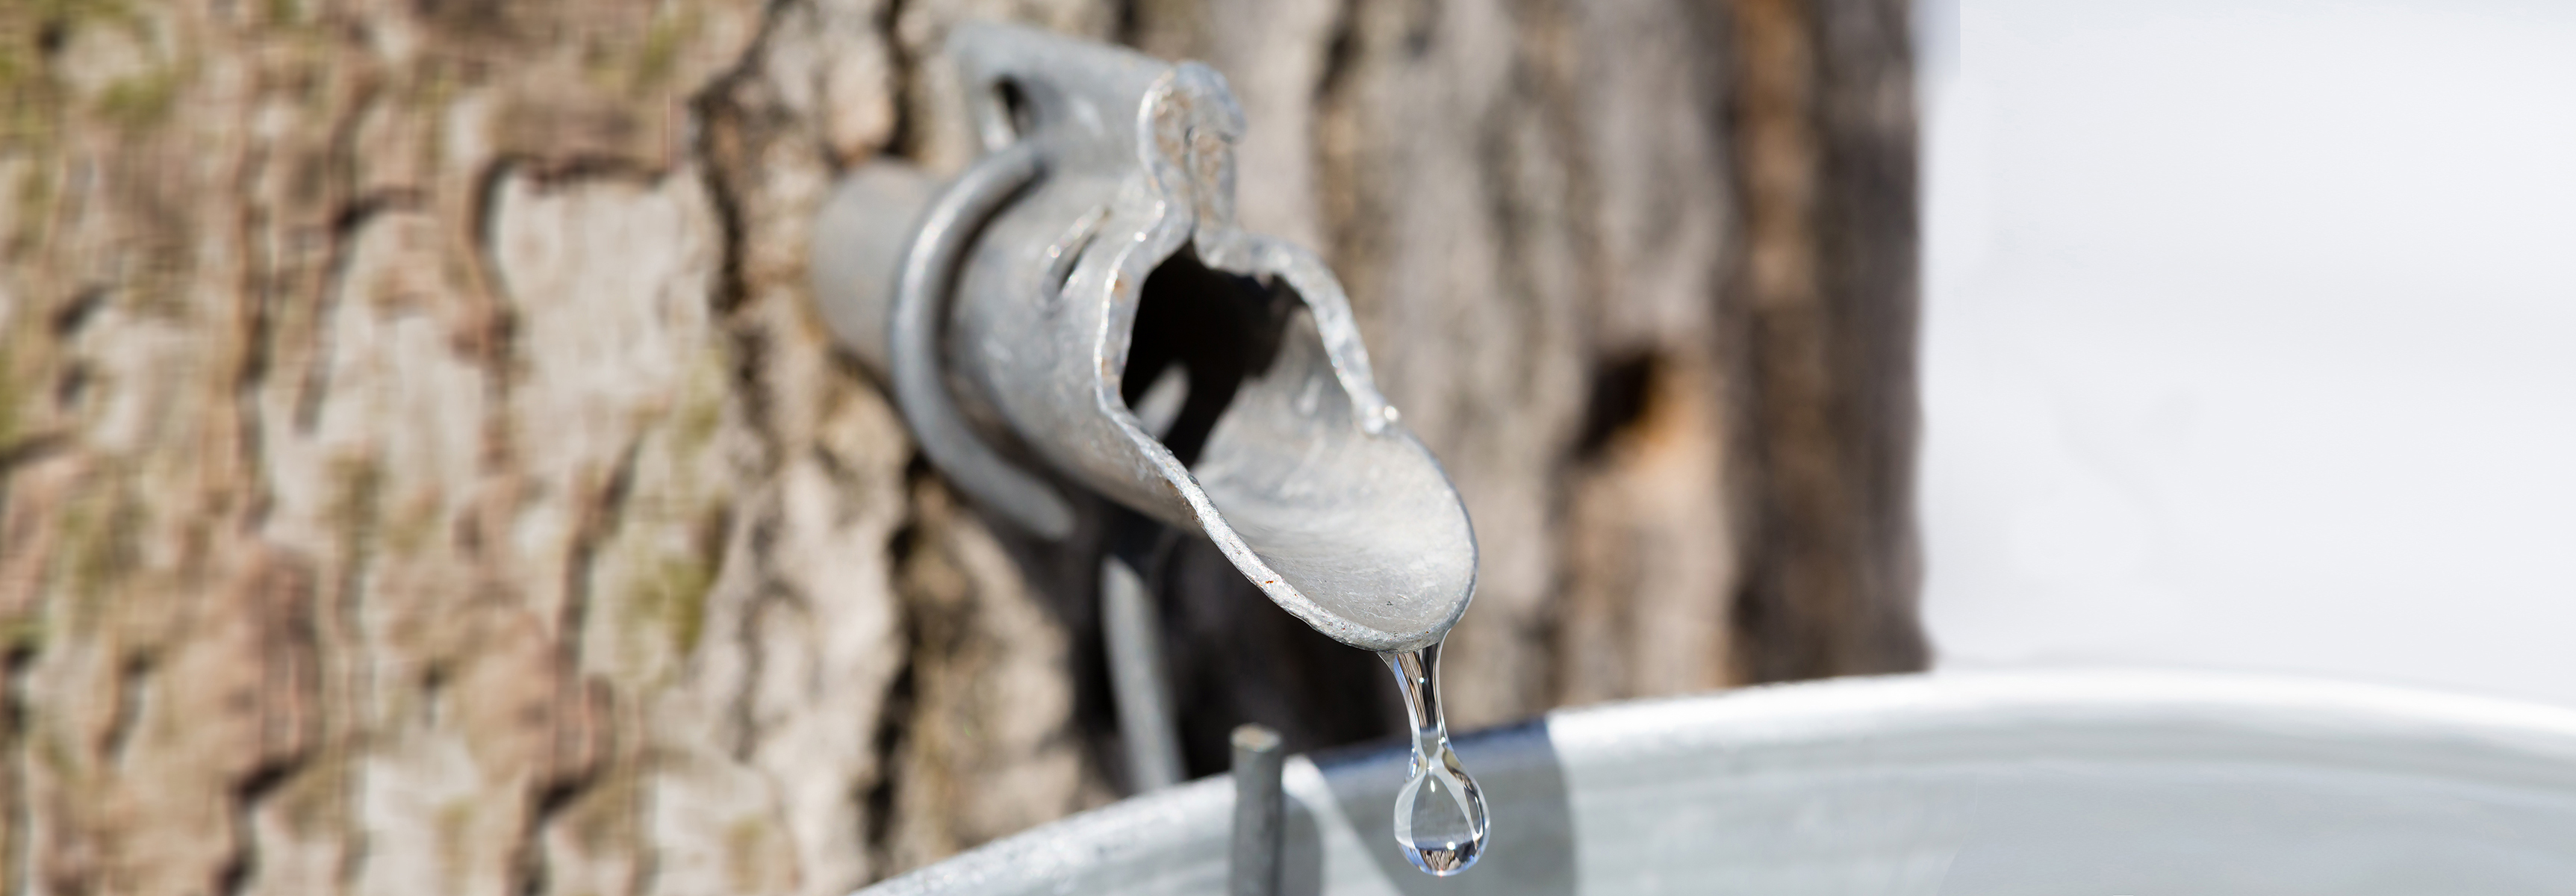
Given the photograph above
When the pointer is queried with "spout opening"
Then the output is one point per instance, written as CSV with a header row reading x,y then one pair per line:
x,y
1352,517
1203,332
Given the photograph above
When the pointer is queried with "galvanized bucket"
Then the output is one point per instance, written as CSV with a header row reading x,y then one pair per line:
x,y
2057,784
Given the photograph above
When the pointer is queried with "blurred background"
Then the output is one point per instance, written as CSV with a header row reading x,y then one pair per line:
x,y
2250,338
423,470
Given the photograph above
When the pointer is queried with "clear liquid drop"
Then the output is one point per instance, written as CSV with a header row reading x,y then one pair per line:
x,y
1440,814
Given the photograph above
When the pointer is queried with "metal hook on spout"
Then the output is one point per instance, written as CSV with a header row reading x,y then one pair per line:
x,y
912,343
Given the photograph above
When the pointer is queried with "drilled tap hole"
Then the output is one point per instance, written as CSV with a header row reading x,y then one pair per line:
x,y
1622,394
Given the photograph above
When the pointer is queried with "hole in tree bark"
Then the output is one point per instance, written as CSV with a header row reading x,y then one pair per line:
x,y
1622,390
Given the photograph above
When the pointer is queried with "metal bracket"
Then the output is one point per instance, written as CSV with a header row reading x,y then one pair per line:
x,y
1095,240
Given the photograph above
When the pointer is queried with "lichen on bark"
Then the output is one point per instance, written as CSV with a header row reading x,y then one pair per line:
x,y
422,468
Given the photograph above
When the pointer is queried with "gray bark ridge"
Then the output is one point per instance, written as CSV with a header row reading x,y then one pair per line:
x,y
422,469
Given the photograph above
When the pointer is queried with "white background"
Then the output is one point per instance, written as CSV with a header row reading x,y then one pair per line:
x,y
2250,338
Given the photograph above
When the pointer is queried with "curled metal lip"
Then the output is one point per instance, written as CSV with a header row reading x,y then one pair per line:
x,y
1308,481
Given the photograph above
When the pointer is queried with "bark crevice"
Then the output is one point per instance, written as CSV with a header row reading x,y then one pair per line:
x,y
437,397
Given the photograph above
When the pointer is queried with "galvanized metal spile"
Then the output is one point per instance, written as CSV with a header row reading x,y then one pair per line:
x,y
1016,300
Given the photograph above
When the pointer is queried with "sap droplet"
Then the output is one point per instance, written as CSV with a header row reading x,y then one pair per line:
x,y
1440,813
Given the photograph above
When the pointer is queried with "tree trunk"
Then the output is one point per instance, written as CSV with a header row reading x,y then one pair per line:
x,y
425,471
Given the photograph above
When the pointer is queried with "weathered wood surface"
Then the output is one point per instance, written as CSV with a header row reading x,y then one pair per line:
x,y
424,471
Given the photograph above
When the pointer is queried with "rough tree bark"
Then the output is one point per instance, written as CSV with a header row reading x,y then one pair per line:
x,y
422,469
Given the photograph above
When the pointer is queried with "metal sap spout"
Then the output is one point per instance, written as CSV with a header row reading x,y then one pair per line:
x,y
1090,253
